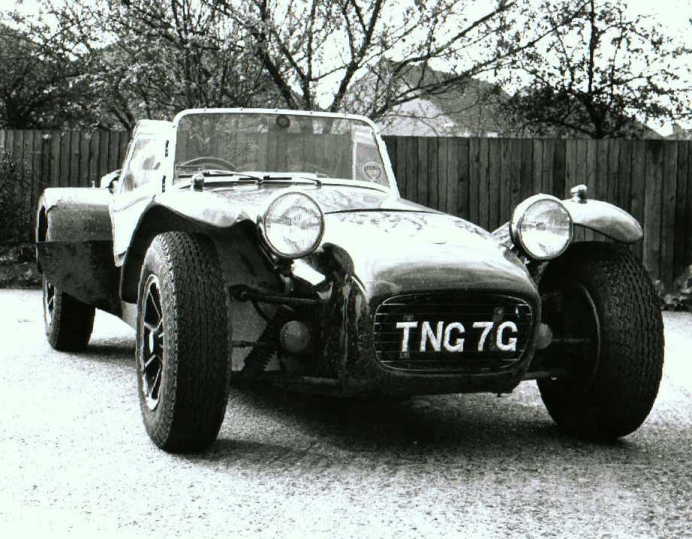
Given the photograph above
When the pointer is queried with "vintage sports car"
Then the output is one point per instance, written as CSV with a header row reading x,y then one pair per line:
x,y
273,246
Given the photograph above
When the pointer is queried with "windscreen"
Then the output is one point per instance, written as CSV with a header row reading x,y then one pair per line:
x,y
337,148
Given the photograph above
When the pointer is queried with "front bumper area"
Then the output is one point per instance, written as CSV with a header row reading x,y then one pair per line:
x,y
356,354
375,363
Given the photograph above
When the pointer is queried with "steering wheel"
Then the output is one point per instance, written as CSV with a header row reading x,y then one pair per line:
x,y
215,161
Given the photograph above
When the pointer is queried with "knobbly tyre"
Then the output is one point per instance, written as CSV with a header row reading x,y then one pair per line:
x,y
273,246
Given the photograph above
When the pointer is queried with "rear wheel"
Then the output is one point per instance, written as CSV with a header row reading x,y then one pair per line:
x,y
182,345
68,322
603,309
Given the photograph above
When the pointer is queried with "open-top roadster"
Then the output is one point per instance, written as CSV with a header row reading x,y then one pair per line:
x,y
262,245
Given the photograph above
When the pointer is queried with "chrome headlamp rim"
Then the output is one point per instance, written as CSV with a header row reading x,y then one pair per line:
x,y
518,216
262,225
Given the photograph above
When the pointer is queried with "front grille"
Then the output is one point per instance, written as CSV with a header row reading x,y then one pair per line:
x,y
437,321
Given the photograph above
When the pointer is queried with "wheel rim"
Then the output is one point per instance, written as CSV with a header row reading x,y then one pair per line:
x,y
577,321
151,345
48,301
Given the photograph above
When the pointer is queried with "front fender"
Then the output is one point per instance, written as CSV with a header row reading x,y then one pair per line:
x,y
206,208
604,218
192,211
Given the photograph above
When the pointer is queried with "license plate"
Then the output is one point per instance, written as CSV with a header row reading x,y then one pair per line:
x,y
457,337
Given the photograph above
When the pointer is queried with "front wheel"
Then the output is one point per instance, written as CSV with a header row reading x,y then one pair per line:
x,y
182,345
604,312
68,322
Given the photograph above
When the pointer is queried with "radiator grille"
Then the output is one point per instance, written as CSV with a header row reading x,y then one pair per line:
x,y
511,318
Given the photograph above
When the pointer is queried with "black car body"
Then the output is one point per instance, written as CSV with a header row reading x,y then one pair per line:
x,y
383,296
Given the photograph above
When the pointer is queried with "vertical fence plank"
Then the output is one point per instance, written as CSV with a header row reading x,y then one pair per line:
x,y
652,207
465,202
559,166
571,151
548,171
475,178
45,158
485,185
688,174
442,166
55,151
526,169
666,238
601,191
85,177
612,175
103,152
588,162
680,256
402,163
623,175
448,162
441,170
537,170
514,177
506,173
429,176
638,190
496,186
403,147
421,184
458,170
113,150
65,158
411,168
94,175
75,159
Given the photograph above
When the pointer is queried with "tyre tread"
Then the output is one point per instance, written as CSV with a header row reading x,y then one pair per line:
x,y
194,303
626,384
71,325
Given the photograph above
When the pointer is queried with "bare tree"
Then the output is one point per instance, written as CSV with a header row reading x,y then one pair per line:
x,y
369,56
603,74
41,80
149,58
153,58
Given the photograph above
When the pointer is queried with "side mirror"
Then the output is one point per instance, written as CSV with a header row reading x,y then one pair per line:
x,y
110,181
113,185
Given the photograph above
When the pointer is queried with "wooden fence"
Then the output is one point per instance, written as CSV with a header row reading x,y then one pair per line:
x,y
479,179
483,179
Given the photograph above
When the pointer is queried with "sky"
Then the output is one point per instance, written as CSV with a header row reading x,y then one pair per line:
x,y
674,16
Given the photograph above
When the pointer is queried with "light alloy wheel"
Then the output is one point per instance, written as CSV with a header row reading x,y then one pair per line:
x,y
151,343
48,301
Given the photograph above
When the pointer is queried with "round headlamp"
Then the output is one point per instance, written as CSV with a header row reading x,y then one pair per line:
x,y
541,227
292,225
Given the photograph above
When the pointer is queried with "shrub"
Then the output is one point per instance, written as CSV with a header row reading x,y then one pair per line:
x,y
15,186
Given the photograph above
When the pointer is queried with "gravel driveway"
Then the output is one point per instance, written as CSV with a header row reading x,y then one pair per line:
x,y
75,458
